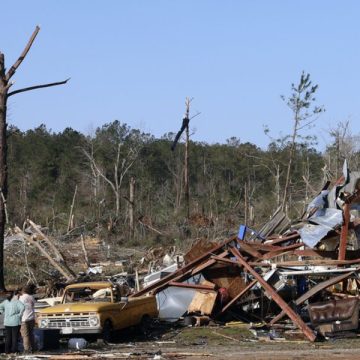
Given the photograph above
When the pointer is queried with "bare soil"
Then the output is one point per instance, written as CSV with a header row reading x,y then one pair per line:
x,y
214,343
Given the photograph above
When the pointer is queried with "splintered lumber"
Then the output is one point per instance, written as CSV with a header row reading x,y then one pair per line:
x,y
192,286
182,272
59,256
282,239
208,263
68,275
203,302
275,296
284,249
249,249
313,291
87,262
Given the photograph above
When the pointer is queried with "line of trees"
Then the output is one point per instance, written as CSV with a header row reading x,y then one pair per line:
x,y
56,175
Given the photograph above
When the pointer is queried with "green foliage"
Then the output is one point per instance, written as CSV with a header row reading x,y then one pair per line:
x,y
45,168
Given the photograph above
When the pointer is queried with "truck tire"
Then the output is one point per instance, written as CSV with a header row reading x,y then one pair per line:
x,y
107,333
145,325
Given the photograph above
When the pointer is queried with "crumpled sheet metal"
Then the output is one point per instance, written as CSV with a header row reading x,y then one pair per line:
x,y
174,301
329,219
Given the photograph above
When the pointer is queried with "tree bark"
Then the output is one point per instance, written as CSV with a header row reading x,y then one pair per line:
x,y
131,207
186,162
291,156
5,85
3,164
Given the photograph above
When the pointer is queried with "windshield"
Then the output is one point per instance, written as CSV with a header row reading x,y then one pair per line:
x,y
87,294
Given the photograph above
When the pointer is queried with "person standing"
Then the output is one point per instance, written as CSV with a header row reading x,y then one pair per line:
x,y
28,318
13,309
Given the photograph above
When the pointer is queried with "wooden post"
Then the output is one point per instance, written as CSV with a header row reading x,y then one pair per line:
x,y
344,232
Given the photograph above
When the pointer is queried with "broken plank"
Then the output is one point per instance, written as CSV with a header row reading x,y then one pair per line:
x,y
192,286
185,269
275,296
248,249
283,250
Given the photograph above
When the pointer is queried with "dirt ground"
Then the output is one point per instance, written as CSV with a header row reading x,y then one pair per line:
x,y
213,343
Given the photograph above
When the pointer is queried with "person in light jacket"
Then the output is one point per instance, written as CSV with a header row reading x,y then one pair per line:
x,y
28,318
13,309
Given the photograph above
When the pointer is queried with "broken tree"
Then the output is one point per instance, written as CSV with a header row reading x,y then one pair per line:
x,y
5,93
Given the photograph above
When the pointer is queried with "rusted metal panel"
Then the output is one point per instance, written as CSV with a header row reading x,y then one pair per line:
x,y
335,315
313,291
203,246
344,232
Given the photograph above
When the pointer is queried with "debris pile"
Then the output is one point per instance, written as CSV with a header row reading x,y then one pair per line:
x,y
305,273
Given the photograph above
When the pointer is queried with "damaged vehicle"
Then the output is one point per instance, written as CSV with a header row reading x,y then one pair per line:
x,y
96,308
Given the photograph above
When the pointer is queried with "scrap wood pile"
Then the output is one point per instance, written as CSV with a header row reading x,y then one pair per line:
x,y
308,275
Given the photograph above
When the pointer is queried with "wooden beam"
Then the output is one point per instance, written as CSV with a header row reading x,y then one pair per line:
x,y
284,249
324,262
175,276
276,297
280,239
192,286
208,263
246,247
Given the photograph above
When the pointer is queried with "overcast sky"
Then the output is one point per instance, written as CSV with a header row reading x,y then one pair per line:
x,y
136,61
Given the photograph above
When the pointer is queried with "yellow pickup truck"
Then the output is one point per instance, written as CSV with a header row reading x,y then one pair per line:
x,y
96,308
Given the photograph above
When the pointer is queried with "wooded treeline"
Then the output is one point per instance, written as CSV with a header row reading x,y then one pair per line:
x,y
52,175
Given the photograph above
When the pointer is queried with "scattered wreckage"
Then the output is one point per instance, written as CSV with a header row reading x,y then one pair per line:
x,y
302,274
308,274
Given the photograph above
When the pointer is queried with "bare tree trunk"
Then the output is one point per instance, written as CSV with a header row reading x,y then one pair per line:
x,y
84,250
186,162
277,185
3,165
5,85
291,156
71,216
131,207
245,204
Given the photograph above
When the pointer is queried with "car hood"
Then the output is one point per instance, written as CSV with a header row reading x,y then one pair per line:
x,y
76,308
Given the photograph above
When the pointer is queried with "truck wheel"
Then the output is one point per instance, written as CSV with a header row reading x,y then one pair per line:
x,y
145,325
107,331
